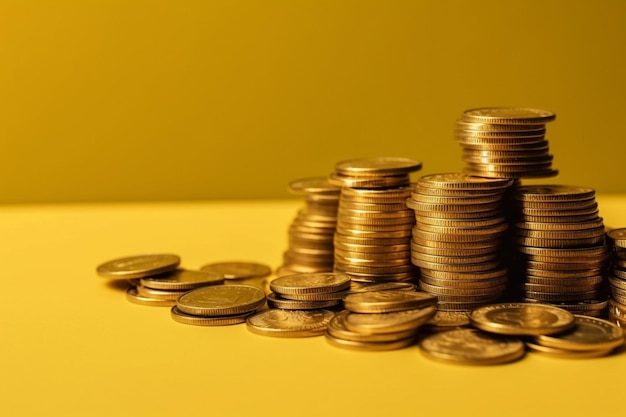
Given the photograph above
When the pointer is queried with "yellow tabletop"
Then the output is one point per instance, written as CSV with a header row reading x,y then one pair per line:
x,y
72,345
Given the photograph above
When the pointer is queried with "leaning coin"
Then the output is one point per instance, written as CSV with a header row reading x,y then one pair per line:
x,y
589,334
182,279
565,353
387,301
238,269
185,318
522,319
289,323
134,297
389,322
471,347
138,266
221,300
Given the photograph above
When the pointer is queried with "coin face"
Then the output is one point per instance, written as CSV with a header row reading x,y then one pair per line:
x,y
221,300
289,323
522,319
239,269
589,333
471,347
139,266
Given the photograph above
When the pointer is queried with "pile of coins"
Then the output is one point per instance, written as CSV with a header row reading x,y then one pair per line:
x,y
372,238
308,291
457,239
505,142
562,238
312,231
617,277
380,320
155,279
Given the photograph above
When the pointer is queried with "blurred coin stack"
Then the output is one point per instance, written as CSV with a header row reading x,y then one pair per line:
x,y
380,320
504,142
561,241
311,232
372,239
308,291
457,238
616,240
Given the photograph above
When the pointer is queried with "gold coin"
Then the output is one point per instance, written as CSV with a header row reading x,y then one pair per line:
x,y
138,266
517,160
454,260
456,208
562,226
386,257
465,292
448,320
185,318
390,222
368,346
369,181
159,294
456,200
380,249
469,239
221,300
338,330
313,185
356,287
534,133
491,229
562,234
589,333
325,296
378,166
481,126
522,319
371,240
276,301
134,297
464,283
530,173
471,347
617,237
401,213
566,353
387,301
541,145
515,140
552,193
457,215
380,323
289,323
238,269
460,181
558,243
325,282
182,279
508,115
372,207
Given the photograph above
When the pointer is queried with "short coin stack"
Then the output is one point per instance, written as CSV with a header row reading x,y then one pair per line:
x,y
457,239
380,320
372,239
308,291
311,232
156,279
561,236
218,305
616,239
505,142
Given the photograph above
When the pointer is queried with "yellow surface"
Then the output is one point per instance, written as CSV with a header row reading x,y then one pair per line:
x,y
71,345
116,100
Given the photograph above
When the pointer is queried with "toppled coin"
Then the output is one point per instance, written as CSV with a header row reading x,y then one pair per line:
x,y
138,266
289,323
522,319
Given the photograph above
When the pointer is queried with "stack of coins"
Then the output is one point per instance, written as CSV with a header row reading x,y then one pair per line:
x,y
308,291
155,279
616,240
590,338
505,142
561,236
372,239
457,239
218,305
380,320
311,232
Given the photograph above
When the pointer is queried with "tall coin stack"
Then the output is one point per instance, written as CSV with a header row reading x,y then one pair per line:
x,y
504,142
616,240
372,239
457,238
311,232
561,237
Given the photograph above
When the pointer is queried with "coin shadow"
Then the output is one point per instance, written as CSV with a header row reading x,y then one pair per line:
x,y
118,284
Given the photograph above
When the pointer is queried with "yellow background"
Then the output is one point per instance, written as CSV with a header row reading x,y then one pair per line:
x,y
106,100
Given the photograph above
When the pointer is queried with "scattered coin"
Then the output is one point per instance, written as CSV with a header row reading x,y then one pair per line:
x,y
471,347
522,319
138,266
289,323
588,334
182,279
221,300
